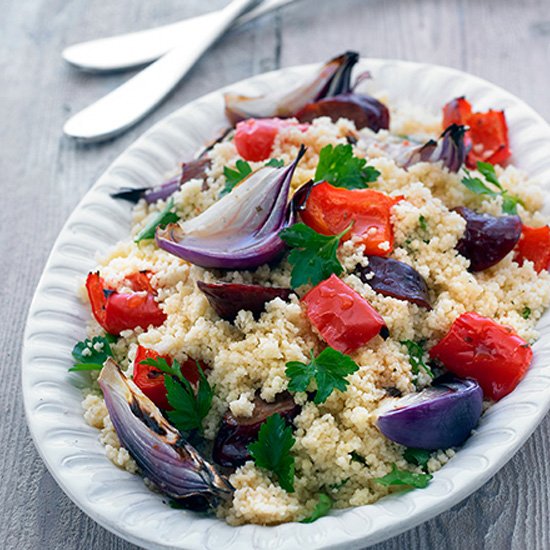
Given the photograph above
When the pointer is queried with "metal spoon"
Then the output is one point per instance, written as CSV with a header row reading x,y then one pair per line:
x,y
129,103
138,48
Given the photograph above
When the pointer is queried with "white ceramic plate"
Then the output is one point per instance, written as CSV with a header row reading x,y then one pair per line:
x,y
120,501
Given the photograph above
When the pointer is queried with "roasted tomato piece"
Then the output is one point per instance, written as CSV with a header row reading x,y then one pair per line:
x,y
344,318
487,136
329,210
534,245
254,137
116,311
479,348
151,381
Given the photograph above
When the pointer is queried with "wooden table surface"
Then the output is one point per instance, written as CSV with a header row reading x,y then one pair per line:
x,y
43,176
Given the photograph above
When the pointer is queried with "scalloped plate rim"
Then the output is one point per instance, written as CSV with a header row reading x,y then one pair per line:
x,y
263,534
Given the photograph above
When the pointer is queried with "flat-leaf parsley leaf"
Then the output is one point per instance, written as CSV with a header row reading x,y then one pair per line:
x,y
162,219
329,369
272,450
405,478
418,457
314,256
476,185
190,408
322,508
416,358
339,167
233,177
91,354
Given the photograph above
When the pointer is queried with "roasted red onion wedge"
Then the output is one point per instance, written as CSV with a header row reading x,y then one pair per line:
x,y
227,299
241,230
363,110
236,433
487,239
393,278
438,417
163,456
283,104
449,149
189,170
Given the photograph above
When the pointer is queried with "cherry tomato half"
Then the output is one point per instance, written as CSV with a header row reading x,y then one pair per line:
x,y
151,381
254,137
479,348
116,311
329,210
344,318
534,245
487,137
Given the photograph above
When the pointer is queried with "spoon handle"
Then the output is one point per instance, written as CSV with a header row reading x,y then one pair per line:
x,y
138,48
129,103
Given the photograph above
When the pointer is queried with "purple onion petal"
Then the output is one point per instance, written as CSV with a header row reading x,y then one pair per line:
x,y
393,278
487,239
227,299
163,456
438,417
241,230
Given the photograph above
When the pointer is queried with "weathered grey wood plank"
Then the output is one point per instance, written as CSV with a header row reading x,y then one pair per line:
x,y
44,175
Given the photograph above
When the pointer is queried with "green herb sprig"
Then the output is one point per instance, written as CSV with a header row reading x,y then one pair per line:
x,y
322,508
90,354
162,219
338,166
190,408
404,478
416,358
272,450
313,257
329,370
479,187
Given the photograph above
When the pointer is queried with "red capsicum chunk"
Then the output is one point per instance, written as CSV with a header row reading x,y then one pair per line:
x,y
116,311
534,245
329,210
479,348
254,137
345,319
487,136
151,381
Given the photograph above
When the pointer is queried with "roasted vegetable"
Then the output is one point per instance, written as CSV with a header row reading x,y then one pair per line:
x,y
236,433
438,417
227,299
487,239
161,453
396,279
241,230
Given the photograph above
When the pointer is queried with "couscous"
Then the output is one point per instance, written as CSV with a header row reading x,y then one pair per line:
x,y
285,307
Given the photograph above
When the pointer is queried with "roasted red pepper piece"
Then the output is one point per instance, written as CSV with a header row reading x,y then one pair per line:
x,y
479,348
116,311
141,280
534,245
487,136
345,319
329,210
151,381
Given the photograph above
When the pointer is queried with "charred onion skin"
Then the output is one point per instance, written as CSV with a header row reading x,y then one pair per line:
x,y
227,299
236,433
487,239
160,451
397,279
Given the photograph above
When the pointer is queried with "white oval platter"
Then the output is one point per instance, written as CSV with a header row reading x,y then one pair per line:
x,y
120,501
